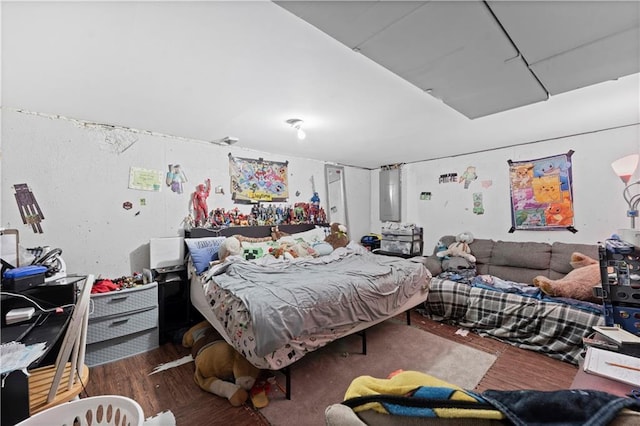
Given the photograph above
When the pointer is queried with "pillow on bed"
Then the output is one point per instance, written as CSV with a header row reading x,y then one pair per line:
x,y
256,250
311,236
323,248
203,251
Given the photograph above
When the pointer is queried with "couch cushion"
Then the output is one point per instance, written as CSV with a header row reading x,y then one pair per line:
x,y
561,256
481,249
528,255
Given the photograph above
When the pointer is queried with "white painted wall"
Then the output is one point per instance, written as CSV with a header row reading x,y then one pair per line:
x,y
599,207
80,184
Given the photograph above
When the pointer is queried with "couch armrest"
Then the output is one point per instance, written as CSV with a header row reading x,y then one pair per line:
x,y
433,264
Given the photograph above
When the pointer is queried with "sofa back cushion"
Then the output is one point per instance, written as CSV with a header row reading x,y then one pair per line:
x,y
521,261
561,256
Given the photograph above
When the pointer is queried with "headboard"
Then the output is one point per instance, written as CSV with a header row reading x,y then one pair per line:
x,y
248,231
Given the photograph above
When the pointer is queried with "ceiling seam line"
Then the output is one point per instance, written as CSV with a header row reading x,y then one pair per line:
x,y
584,45
357,48
504,31
622,126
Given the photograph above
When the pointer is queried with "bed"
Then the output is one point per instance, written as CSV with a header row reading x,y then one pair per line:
x,y
274,311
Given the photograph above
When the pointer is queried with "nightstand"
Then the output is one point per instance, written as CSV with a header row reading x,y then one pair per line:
x,y
122,323
174,301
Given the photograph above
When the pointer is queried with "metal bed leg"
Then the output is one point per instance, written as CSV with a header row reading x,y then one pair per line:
x,y
409,317
287,376
363,334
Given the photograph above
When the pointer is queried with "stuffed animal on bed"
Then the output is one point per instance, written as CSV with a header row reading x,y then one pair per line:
x,y
338,236
577,284
220,369
460,247
285,250
231,246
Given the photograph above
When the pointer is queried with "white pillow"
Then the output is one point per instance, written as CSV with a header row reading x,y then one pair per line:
x,y
323,248
311,236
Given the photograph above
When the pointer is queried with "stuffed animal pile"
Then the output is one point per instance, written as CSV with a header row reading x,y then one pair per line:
x,y
577,284
338,236
216,362
460,248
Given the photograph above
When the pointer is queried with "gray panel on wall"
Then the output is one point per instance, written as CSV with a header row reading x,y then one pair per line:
x,y
390,194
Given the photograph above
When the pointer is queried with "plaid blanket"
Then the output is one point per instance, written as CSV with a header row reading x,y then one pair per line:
x,y
555,329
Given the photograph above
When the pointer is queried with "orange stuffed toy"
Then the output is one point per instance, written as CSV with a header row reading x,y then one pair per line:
x,y
577,284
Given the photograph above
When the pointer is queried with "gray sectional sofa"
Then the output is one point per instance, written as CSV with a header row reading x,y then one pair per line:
x,y
518,261
553,326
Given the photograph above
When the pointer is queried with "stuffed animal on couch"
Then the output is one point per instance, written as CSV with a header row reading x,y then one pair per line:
x,y
459,248
338,236
577,284
220,369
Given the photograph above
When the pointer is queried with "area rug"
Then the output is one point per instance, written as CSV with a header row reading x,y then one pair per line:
x,y
322,377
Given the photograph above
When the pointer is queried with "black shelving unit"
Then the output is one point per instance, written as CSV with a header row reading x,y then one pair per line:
x,y
621,288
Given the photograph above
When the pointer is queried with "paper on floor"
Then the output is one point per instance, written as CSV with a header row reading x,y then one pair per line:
x,y
168,365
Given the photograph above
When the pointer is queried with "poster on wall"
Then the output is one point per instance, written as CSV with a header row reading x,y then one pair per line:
x,y
254,181
542,194
145,179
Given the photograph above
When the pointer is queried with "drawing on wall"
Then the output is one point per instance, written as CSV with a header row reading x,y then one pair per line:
x,y
175,178
29,209
258,180
145,179
542,194
478,207
468,176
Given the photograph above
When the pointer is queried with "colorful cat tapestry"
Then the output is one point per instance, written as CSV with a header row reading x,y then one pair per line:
x,y
542,194
253,181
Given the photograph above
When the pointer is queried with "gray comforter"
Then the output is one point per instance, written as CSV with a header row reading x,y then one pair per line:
x,y
291,299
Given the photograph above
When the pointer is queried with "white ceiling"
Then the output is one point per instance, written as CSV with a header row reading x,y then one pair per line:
x,y
208,69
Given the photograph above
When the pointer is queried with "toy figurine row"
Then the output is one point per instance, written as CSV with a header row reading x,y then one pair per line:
x,y
260,215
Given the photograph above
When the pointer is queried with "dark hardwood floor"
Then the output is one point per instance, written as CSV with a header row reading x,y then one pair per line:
x,y
175,389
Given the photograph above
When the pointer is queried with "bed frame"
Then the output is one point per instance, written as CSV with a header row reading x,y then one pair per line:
x,y
260,232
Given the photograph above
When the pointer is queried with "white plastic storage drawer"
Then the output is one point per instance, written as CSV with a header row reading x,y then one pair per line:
x,y
115,326
121,347
402,237
130,299
400,247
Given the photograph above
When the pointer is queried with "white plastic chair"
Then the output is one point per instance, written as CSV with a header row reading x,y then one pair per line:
x,y
104,410
64,380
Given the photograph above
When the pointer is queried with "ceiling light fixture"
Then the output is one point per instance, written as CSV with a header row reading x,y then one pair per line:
x,y
625,167
296,123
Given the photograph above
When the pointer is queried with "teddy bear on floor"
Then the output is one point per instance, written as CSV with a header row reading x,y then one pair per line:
x,y
338,236
460,248
577,284
220,369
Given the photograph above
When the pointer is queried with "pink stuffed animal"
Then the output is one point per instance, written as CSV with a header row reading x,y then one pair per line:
x,y
577,284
